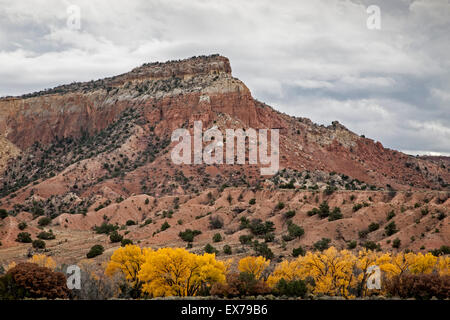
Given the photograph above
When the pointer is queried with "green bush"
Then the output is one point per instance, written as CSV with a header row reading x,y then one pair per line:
x,y
262,249
165,226
227,249
295,231
115,237
335,214
38,244
390,229
105,228
352,245
24,237
322,244
258,228
396,243
390,215
289,214
96,250
125,242
44,221
217,237
293,288
215,222
22,225
298,252
252,201
210,249
44,235
3,213
130,223
245,239
373,227
188,235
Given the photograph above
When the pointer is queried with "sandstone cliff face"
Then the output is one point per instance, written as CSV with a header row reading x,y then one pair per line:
x,y
64,149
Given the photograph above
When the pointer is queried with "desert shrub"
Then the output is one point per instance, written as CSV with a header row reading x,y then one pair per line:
x,y
28,280
96,250
165,226
22,225
298,252
419,286
215,222
295,231
227,249
370,245
240,285
390,215
105,228
24,237
38,244
115,237
44,221
130,222
252,201
258,228
280,205
373,227
324,210
262,249
336,214
289,214
390,229
356,207
3,213
293,288
352,245
125,242
322,244
217,237
396,243
188,235
44,235
312,212
210,249
441,251
269,237
246,239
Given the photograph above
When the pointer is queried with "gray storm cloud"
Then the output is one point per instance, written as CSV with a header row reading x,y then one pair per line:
x,y
315,59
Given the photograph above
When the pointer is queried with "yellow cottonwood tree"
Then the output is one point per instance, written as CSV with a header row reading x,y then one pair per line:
x,y
399,264
127,260
43,261
253,265
287,270
423,263
177,272
443,265
365,259
332,271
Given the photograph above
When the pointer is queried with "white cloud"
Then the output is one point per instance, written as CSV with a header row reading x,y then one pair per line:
x,y
311,58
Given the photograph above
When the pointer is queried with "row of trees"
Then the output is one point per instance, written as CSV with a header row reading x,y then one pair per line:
x,y
135,272
177,272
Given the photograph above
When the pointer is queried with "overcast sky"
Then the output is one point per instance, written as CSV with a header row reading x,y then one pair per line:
x,y
316,59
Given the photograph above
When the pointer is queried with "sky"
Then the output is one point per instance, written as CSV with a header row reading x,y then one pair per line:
x,y
385,76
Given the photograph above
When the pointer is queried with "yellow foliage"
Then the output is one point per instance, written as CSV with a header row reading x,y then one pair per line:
x,y
332,271
423,263
444,266
253,265
365,259
127,260
287,270
43,261
177,272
